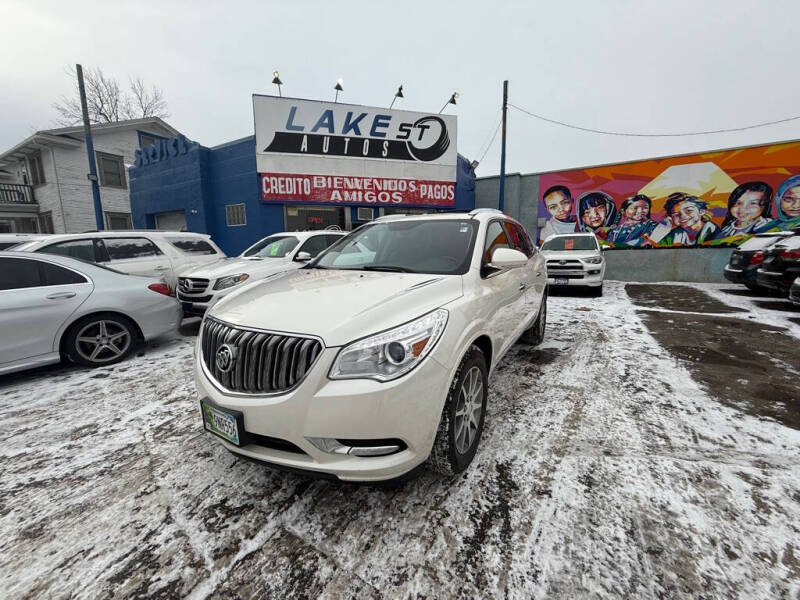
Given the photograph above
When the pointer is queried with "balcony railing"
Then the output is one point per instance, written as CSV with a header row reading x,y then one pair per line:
x,y
16,193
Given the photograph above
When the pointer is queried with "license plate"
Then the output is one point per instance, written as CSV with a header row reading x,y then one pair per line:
x,y
562,281
221,422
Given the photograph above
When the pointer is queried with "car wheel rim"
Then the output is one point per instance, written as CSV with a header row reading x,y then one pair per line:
x,y
468,410
102,341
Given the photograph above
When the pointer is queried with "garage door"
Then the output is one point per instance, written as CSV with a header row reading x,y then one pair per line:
x,y
171,221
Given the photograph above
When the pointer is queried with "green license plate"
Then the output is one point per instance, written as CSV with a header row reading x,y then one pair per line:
x,y
221,422
562,281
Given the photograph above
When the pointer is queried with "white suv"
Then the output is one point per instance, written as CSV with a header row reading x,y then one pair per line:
x,y
199,288
138,252
375,357
575,259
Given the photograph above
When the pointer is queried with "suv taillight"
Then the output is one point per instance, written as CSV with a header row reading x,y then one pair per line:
x,y
161,288
757,258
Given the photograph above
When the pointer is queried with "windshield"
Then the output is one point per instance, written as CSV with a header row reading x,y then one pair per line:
x,y
442,247
274,246
571,242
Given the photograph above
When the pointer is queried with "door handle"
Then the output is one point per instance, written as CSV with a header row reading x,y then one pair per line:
x,y
522,287
61,295
160,268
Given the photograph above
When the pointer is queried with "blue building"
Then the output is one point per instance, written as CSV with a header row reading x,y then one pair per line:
x,y
179,184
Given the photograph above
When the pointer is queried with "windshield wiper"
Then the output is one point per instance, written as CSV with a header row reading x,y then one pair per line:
x,y
387,268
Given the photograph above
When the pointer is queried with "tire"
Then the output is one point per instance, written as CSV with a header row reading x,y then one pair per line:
x,y
535,333
451,455
753,287
598,291
101,339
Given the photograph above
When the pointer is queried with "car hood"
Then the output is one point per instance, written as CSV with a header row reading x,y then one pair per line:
x,y
569,254
232,266
339,306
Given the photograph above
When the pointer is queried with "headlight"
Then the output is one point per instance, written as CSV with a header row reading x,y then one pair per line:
x,y
593,260
393,353
230,281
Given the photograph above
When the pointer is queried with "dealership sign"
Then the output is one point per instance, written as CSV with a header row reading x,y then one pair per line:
x,y
322,152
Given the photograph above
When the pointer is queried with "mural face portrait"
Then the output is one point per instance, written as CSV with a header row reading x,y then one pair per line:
x,y
595,216
558,205
790,202
687,215
748,207
637,211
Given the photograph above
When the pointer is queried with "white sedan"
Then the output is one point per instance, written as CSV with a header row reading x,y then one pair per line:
x,y
54,307
200,287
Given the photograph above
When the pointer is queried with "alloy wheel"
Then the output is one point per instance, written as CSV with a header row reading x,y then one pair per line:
x,y
469,410
102,341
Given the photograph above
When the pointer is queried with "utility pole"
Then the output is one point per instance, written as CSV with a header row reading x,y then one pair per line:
x,y
503,149
87,132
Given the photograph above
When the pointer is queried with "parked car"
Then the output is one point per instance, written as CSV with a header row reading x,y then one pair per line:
x,y
781,265
745,261
138,252
8,240
55,307
794,292
574,259
200,287
365,369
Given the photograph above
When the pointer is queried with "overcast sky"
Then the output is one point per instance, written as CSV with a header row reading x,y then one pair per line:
x,y
619,65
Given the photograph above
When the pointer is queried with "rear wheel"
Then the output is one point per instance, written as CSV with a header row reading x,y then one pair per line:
x,y
101,339
461,425
535,334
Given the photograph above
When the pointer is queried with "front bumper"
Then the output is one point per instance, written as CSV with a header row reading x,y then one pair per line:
x,y
406,409
589,277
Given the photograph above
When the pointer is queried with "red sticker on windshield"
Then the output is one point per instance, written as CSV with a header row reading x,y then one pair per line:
x,y
569,244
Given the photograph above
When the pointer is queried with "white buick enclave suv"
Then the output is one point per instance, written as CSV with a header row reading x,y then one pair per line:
x,y
374,357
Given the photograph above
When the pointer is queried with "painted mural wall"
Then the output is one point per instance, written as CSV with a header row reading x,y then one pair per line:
x,y
711,199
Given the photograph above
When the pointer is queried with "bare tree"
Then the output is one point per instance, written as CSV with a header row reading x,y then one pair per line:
x,y
108,102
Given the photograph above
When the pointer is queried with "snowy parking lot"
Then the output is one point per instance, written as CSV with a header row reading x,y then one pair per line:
x,y
649,448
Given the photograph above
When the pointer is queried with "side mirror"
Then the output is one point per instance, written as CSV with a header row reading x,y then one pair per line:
x,y
507,258
302,257
604,248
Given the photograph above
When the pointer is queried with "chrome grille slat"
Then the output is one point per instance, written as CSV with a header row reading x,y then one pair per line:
x,y
264,362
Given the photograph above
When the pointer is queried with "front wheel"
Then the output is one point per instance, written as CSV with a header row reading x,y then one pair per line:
x,y
461,425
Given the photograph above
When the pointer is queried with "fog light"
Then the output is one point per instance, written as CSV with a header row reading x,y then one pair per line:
x,y
594,271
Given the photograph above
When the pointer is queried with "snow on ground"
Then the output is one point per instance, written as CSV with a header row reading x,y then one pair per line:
x,y
605,470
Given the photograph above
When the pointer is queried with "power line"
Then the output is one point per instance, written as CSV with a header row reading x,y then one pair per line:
x,y
489,133
630,134
485,152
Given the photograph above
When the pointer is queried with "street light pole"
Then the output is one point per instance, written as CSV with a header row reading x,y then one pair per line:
x,y
87,132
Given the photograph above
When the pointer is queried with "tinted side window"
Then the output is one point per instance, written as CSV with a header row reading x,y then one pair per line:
x,y
17,273
125,248
191,246
332,239
495,238
315,245
519,239
83,249
55,275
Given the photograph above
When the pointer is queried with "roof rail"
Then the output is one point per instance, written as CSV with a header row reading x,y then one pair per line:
x,y
477,211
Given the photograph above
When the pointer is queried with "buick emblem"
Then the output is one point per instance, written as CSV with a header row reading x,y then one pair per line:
x,y
225,357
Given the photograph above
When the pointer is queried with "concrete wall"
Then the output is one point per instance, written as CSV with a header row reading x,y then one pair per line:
x,y
700,265
520,195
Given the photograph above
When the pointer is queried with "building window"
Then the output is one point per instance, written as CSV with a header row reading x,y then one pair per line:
x,y
46,222
116,221
235,215
111,170
36,169
146,140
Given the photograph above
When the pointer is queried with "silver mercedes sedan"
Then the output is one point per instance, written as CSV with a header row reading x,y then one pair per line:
x,y
55,307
